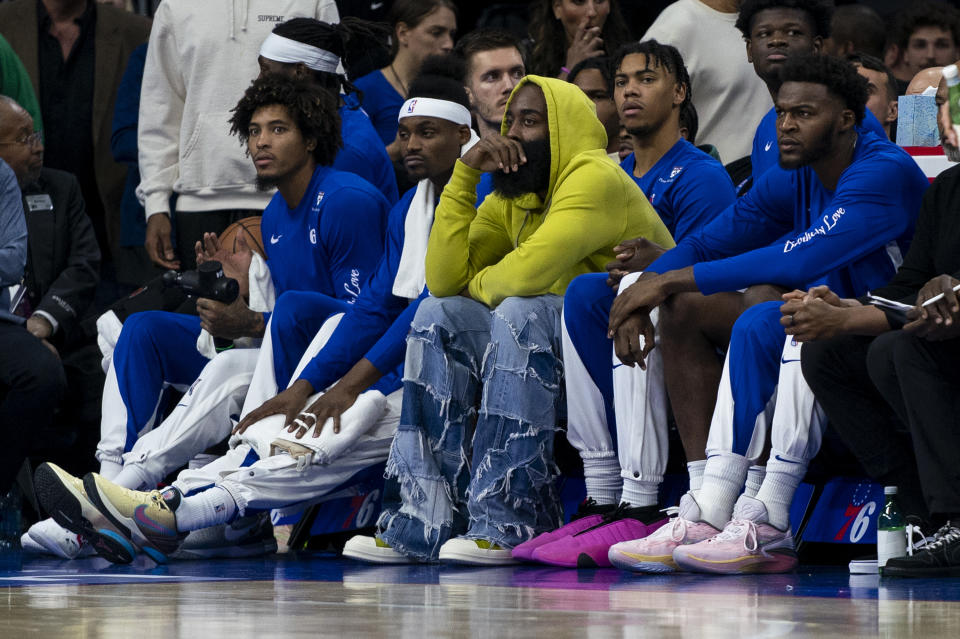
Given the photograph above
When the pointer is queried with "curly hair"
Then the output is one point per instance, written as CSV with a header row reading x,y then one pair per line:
x,y
311,107
550,41
838,76
820,12
925,14
348,39
659,54
441,77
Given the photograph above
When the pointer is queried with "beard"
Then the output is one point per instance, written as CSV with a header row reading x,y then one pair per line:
x,y
809,155
532,177
266,183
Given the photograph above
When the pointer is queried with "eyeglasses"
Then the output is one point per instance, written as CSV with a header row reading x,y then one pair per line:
x,y
30,140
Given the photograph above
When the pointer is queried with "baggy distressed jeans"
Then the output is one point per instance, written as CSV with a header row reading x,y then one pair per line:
x,y
501,370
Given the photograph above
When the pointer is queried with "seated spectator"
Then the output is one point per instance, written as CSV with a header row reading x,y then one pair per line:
x,y
363,350
855,28
564,33
828,213
421,28
15,83
925,34
690,126
494,65
492,331
729,97
881,90
853,356
595,78
305,48
325,230
616,415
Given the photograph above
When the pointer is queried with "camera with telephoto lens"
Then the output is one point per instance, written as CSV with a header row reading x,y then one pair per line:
x,y
207,281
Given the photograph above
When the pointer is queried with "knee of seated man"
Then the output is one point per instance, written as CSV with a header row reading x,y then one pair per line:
x,y
526,319
760,293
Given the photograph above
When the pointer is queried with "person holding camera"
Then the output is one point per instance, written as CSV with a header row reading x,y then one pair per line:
x,y
323,232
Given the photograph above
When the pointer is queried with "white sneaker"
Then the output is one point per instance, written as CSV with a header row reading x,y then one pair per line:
x,y
54,539
373,550
475,552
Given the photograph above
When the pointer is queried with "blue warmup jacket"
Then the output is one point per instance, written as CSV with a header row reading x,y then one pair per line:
x,y
363,153
791,231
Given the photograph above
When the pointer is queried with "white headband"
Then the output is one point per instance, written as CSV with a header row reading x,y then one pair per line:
x,y
283,49
434,108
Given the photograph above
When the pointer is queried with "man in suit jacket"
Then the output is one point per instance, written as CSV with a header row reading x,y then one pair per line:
x,y
94,42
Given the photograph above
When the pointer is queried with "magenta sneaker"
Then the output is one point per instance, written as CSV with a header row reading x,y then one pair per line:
x,y
588,515
654,553
748,544
588,549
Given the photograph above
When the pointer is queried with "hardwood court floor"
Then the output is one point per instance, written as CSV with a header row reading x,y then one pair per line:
x,y
314,595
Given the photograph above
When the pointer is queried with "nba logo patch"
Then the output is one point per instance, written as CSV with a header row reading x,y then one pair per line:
x,y
412,105
319,198
675,172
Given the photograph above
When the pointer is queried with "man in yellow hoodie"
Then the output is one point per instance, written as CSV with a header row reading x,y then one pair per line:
x,y
485,349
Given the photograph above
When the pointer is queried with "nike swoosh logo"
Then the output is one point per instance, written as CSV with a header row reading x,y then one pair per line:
x,y
275,238
142,520
787,361
779,458
767,147
375,5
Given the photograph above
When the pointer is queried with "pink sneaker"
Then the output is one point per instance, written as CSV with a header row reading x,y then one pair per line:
x,y
589,549
748,544
588,515
654,553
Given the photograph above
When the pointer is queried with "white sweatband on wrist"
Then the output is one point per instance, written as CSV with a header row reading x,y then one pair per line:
x,y
434,108
280,49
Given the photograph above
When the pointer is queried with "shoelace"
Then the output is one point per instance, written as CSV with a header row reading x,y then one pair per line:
x,y
157,498
736,528
920,544
947,534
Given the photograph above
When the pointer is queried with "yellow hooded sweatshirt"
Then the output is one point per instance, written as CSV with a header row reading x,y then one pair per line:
x,y
520,247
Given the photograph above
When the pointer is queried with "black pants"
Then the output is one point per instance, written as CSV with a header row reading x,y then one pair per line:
x,y
895,401
189,227
32,382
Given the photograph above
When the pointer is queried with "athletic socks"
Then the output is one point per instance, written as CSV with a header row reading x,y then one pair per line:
x,y
695,469
130,477
723,478
208,508
784,473
601,473
640,494
110,469
754,479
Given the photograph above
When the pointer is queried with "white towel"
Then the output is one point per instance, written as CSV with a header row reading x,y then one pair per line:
x,y
411,274
262,298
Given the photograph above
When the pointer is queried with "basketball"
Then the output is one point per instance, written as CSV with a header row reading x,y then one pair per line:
x,y
249,229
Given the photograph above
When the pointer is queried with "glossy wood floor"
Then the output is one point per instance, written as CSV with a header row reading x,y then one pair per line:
x,y
312,595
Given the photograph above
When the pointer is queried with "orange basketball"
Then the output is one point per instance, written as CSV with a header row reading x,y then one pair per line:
x,y
249,228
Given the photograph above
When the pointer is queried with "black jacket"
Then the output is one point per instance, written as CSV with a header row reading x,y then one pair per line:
x,y
63,259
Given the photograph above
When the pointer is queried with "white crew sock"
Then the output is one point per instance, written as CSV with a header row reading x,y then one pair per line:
x,y
601,473
208,508
723,478
784,473
130,477
695,469
109,469
754,479
640,493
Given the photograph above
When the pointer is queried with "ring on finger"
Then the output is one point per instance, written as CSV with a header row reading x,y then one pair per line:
x,y
792,321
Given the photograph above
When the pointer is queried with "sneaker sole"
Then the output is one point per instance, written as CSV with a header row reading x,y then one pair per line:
x,y
472,559
76,513
939,571
644,563
48,546
774,562
121,529
365,555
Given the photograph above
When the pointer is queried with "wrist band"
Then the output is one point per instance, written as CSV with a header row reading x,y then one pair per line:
x,y
565,70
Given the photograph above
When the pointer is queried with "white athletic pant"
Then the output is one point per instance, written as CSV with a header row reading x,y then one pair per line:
x,y
795,419
281,480
640,405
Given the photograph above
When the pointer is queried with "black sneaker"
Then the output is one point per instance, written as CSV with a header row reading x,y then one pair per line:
x,y
940,558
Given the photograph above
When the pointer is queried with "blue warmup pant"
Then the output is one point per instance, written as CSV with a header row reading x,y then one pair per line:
x,y
297,317
156,349
586,314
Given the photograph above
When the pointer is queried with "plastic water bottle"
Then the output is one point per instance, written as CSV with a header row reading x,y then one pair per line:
x,y
891,533
11,559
